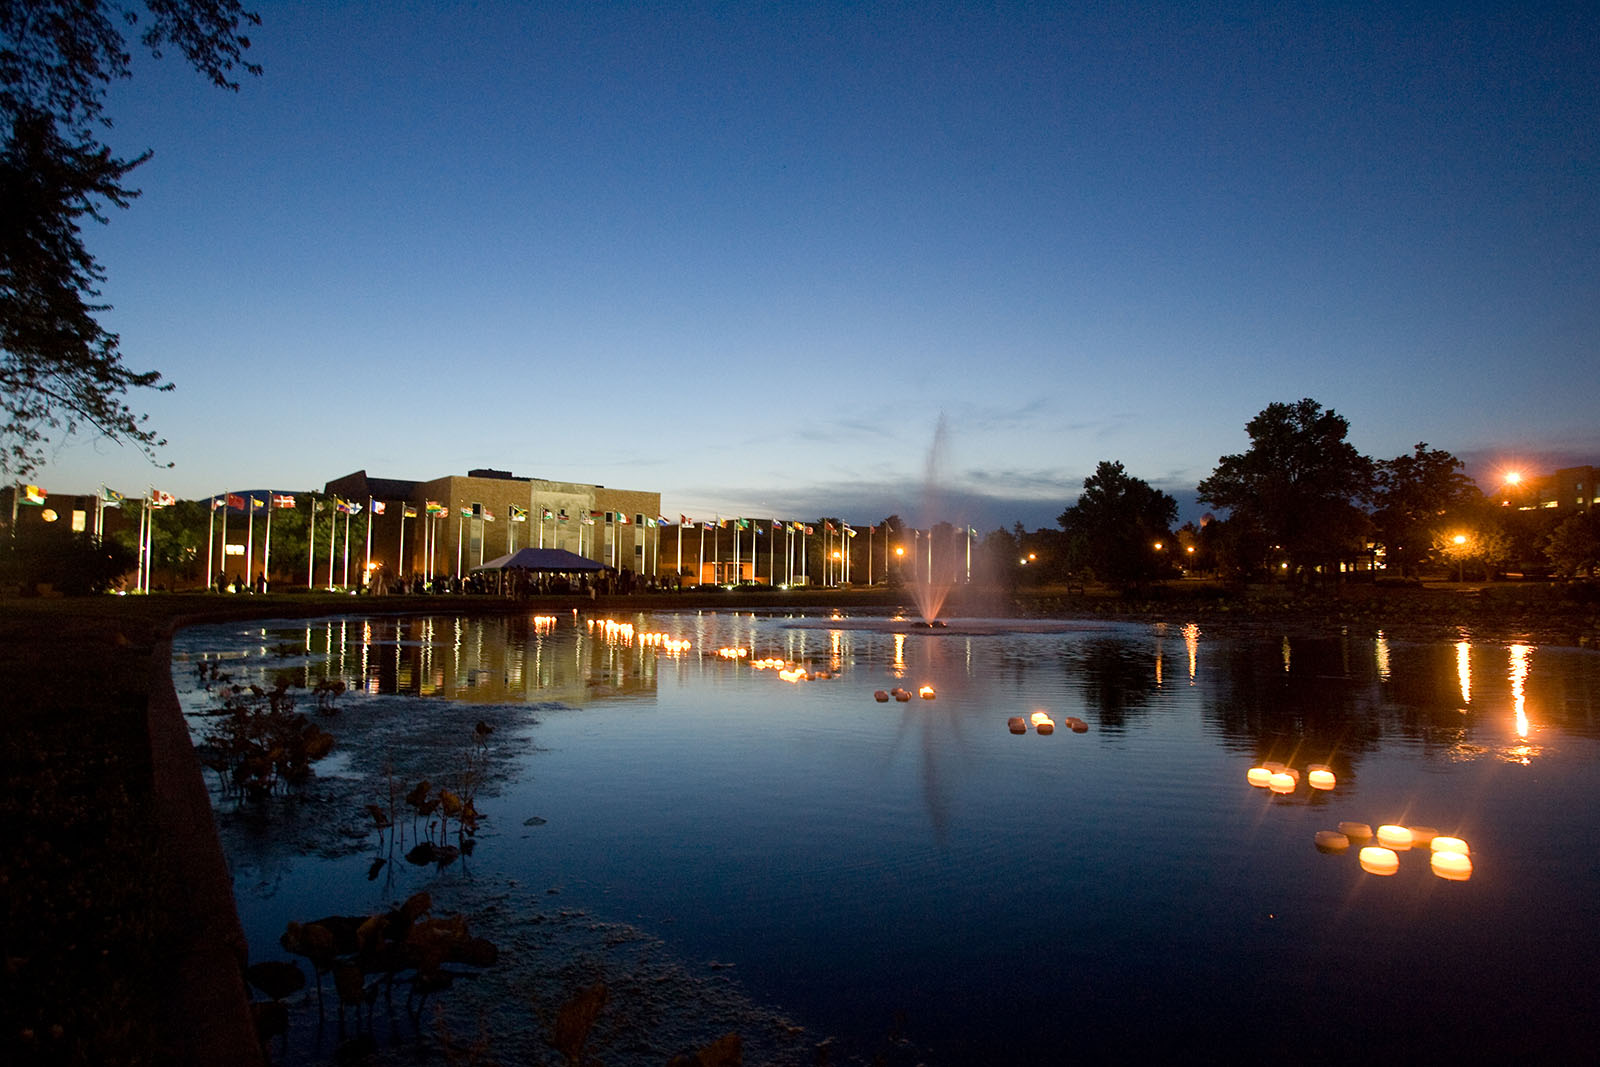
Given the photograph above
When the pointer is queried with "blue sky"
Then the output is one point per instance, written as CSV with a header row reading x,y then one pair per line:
x,y
751,255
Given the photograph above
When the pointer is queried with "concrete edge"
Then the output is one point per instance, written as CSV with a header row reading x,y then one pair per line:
x,y
207,1018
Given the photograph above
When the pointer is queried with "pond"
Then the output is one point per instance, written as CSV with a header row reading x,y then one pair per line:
x,y
731,847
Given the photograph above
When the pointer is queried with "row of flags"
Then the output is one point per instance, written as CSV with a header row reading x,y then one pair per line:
x,y
107,497
35,495
778,525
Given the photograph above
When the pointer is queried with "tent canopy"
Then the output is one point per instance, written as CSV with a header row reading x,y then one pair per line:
x,y
542,559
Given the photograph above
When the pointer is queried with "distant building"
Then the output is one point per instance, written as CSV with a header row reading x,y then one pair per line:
x,y
1567,489
449,525
67,512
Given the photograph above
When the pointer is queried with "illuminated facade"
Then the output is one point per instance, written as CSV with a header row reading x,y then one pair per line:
x,y
449,525
1568,489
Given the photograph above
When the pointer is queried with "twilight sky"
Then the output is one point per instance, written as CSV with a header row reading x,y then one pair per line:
x,y
753,254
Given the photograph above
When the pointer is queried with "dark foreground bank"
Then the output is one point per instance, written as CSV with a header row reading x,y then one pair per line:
x,y
120,941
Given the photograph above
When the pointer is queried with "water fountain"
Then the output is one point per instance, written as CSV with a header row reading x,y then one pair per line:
x,y
928,588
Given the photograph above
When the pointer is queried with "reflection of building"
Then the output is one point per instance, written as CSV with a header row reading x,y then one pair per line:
x,y
450,525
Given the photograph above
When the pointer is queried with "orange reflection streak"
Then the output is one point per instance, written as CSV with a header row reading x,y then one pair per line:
x,y
1191,641
1464,670
1286,655
1521,663
1383,657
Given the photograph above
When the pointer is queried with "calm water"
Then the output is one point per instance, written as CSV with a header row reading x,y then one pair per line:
x,y
871,867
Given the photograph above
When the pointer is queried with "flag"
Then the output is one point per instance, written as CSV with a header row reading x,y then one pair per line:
x,y
684,520
621,518
849,532
488,516
407,511
776,525
466,512
588,520
283,500
544,513
562,517
159,499
662,520
378,507
826,525
110,498
258,502
436,508
235,500
32,494
347,507
744,524
517,514
809,531
218,502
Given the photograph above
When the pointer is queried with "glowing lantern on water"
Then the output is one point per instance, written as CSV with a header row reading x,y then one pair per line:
x,y
1258,776
1355,831
1319,776
1450,844
1017,724
926,692
901,695
1043,722
1282,782
1376,860
881,696
1077,725
1396,837
1452,866
1331,841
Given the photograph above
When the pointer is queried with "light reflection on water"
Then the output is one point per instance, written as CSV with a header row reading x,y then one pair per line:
x,y
1014,896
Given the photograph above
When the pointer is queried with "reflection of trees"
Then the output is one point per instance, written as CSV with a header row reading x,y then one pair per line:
x,y
1305,700
1118,678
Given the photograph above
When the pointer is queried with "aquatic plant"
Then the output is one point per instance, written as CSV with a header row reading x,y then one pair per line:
x,y
367,954
261,742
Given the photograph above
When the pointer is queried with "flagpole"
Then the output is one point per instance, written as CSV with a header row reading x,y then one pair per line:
x,y
222,561
149,544
144,511
333,533
367,573
211,540
461,526
870,531
266,549
400,558
700,574
250,543
345,574
311,545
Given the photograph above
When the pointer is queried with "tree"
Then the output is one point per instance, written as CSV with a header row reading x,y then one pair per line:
x,y
1299,485
1573,548
1413,497
1122,525
60,370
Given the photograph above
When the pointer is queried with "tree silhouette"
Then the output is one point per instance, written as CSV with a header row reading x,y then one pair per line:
x,y
1413,496
60,370
1299,485
1118,524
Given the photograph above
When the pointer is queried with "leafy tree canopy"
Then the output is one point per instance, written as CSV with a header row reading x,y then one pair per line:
x,y
60,370
1412,496
1117,522
1299,484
